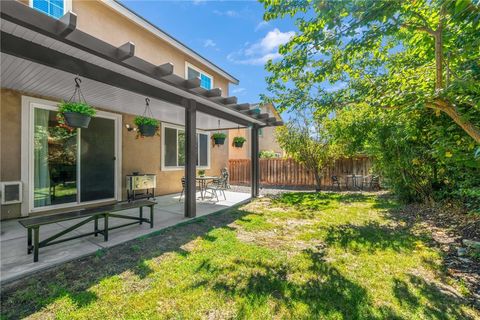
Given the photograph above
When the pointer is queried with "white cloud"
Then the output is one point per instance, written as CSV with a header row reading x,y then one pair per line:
x,y
261,25
209,43
238,90
263,50
228,13
197,2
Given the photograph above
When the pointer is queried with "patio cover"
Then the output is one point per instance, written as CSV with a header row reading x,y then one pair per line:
x,y
41,55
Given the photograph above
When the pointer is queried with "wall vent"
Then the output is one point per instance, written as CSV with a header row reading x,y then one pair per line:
x,y
10,192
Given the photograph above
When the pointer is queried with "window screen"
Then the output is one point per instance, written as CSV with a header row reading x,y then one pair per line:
x,y
170,147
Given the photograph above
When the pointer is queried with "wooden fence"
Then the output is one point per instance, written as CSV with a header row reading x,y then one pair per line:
x,y
287,172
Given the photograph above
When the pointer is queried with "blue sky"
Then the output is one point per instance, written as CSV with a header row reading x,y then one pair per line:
x,y
232,34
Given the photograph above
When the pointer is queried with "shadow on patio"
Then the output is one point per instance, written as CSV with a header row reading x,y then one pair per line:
x,y
16,263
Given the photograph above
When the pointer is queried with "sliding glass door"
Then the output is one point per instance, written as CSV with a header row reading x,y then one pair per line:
x,y
72,166
97,160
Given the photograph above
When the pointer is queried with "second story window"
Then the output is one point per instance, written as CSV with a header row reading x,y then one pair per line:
x,y
54,8
206,81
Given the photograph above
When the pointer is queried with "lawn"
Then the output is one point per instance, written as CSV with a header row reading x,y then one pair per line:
x,y
297,256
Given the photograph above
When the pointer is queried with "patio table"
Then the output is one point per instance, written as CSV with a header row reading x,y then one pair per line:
x,y
357,181
202,183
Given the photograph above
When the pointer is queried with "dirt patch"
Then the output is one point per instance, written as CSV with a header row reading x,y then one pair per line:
x,y
448,226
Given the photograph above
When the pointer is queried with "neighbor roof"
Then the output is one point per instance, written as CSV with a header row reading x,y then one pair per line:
x,y
133,16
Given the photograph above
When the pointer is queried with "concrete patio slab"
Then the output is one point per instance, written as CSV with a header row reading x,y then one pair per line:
x,y
16,263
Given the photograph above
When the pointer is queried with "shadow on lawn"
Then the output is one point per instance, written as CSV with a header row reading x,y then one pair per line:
x,y
327,293
258,281
72,280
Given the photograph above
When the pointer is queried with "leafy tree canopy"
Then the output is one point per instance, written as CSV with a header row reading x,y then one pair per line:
x,y
382,53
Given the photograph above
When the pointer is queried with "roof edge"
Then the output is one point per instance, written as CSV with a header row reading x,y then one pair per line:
x,y
136,18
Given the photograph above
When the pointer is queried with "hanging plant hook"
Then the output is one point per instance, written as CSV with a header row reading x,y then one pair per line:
x,y
77,82
147,101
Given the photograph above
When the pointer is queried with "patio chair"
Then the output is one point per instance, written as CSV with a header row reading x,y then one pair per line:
x,y
375,183
183,189
218,185
226,175
336,182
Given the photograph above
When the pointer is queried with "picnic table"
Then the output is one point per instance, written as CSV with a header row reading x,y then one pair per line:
x,y
33,224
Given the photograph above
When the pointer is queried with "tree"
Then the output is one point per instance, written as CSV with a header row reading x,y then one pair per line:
x,y
305,140
386,53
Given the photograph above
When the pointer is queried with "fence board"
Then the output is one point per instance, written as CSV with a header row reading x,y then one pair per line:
x,y
287,172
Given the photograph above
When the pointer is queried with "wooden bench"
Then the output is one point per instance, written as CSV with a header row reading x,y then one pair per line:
x,y
90,214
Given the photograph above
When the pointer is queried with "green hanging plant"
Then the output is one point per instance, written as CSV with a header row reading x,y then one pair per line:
x,y
219,137
146,126
239,141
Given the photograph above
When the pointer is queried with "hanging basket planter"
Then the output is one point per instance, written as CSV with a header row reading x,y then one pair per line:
x,y
146,126
219,138
76,114
238,142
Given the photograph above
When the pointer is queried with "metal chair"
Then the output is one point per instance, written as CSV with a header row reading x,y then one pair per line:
x,y
218,185
375,183
336,182
183,189
226,175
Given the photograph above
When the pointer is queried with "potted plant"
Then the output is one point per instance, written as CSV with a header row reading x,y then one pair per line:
x,y
219,137
201,173
147,127
76,114
239,141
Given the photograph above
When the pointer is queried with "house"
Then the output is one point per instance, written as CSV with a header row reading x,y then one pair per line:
x,y
121,59
266,136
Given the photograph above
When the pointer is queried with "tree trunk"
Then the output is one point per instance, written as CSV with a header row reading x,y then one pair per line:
x,y
452,112
318,180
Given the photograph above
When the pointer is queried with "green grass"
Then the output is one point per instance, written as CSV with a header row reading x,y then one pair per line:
x,y
299,256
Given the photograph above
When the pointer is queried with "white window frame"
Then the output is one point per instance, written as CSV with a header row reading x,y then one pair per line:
x,y
189,65
28,107
67,6
162,147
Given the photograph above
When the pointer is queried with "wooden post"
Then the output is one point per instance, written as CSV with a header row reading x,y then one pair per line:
x,y
255,163
190,209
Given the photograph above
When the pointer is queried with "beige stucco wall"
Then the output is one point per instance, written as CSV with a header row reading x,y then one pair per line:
x,y
141,155
106,24
239,153
267,141
10,143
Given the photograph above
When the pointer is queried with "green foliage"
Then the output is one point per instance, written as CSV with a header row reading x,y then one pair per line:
x,y
201,172
385,97
308,142
267,154
78,107
219,135
146,121
239,140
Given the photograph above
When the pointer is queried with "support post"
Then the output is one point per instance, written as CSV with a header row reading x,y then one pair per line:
x,y
255,172
190,157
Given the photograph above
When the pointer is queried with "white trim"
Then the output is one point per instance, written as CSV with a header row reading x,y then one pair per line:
x,y
113,4
67,5
28,106
162,148
189,65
